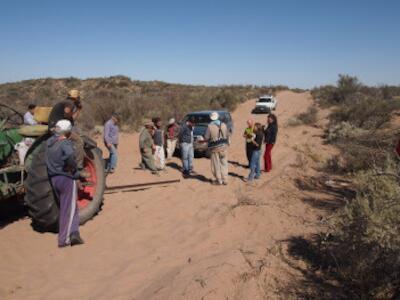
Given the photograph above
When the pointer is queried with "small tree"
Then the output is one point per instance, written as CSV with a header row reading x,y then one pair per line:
x,y
346,86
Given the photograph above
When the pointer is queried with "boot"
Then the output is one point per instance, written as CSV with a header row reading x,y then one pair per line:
x,y
75,239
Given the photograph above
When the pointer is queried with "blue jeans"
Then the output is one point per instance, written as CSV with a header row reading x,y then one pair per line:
x,y
187,154
255,170
113,158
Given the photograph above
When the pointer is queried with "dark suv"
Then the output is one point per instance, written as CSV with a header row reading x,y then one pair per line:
x,y
201,119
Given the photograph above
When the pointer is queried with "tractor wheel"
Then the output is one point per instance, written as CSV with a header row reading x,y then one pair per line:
x,y
42,204
90,198
39,196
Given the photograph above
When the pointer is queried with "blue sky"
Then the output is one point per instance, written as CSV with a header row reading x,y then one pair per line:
x,y
297,43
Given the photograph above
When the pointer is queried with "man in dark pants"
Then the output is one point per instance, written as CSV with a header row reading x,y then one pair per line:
x,y
62,169
186,148
249,136
70,109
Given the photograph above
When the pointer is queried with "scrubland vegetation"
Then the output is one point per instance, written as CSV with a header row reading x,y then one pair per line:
x,y
359,256
134,100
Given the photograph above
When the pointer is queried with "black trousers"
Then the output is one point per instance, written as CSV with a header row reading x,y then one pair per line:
x,y
249,152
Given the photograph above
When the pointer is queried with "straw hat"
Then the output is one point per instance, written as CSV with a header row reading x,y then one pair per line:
x,y
214,116
171,121
75,94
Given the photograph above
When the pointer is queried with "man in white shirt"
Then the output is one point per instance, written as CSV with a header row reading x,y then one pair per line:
x,y
28,117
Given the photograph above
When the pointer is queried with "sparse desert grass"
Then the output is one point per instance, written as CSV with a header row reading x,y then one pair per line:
x,y
133,100
309,117
361,250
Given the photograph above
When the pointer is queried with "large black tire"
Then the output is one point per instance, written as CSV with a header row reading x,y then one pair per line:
x,y
39,196
43,207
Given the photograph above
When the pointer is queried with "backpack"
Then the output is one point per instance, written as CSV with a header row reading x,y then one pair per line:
x,y
220,142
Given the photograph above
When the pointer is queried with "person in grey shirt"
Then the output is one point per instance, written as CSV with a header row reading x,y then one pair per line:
x,y
111,137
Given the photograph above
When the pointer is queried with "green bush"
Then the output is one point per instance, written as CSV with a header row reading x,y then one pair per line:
x,y
366,241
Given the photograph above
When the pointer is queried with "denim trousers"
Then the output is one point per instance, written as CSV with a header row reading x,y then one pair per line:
x,y
113,159
187,154
255,170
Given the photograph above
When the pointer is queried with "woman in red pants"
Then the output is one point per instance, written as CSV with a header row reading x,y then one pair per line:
x,y
270,138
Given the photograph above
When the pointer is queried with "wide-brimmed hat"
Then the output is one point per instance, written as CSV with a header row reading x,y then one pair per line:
x,y
75,94
171,121
214,116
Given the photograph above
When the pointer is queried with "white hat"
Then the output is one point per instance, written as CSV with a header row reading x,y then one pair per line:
x,y
63,126
214,116
171,121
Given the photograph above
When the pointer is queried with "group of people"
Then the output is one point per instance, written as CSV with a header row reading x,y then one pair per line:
x,y
65,153
256,134
154,142
157,144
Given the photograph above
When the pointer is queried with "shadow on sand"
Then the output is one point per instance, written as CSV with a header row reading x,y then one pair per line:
x,y
11,210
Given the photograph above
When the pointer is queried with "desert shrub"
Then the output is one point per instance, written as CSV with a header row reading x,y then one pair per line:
x,y
361,250
365,112
359,255
366,240
362,149
346,86
308,117
334,95
344,131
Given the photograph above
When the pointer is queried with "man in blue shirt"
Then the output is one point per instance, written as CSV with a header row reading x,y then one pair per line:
x,y
111,137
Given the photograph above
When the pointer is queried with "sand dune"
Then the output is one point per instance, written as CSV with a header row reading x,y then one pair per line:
x,y
189,240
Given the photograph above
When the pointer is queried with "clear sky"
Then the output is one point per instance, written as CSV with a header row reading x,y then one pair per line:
x,y
297,43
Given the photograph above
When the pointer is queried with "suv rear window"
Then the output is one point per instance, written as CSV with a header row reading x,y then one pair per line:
x,y
264,100
198,119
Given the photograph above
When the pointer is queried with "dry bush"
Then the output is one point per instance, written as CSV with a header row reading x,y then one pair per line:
x,y
347,86
361,251
134,100
308,117
359,256
364,111
366,240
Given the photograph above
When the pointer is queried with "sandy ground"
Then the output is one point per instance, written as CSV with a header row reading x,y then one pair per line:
x,y
189,240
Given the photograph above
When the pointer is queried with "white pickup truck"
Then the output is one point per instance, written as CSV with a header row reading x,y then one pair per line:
x,y
265,104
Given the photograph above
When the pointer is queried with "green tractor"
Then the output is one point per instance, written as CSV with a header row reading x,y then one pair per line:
x,y
23,172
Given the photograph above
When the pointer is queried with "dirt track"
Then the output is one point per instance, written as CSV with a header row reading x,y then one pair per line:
x,y
190,240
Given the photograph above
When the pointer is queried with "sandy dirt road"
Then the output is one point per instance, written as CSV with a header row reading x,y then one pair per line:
x,y
190,240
